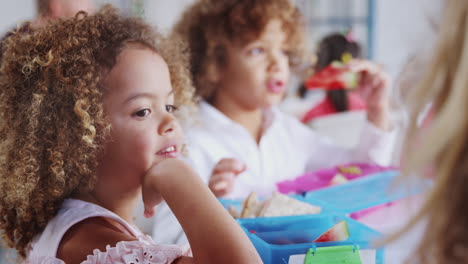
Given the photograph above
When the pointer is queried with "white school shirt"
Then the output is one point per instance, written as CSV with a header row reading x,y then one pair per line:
x,y
286,150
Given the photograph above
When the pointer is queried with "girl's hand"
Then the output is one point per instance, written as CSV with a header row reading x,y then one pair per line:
x,y
374,86
159,172
224,176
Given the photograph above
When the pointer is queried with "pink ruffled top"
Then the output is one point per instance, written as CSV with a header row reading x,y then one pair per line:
x,y
142,251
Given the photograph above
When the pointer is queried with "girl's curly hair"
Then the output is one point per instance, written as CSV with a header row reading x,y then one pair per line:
x,y
52,122
209,25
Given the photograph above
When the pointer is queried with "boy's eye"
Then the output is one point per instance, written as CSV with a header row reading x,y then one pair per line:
x,y
256,51
143,113
171,108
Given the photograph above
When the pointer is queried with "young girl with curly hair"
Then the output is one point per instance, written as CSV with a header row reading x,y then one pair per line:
x,y
242,52
87,110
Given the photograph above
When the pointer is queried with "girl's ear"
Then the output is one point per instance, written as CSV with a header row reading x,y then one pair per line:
x,y
213,73
214,70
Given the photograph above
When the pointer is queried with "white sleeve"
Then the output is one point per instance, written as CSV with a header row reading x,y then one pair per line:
x,y
374,146
200,160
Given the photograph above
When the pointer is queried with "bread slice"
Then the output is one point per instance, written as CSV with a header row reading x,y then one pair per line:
x,y
283,205
234,212
251,207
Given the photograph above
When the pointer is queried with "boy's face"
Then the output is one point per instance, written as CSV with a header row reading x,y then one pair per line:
x,y
256,74
139,105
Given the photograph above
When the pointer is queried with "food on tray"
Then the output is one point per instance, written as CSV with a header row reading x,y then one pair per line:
x,y
338,179
276,205
350,170
251,207
323,178
338,232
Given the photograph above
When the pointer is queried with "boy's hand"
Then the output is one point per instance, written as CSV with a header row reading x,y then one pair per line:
x,y
224,176
166,170
374,86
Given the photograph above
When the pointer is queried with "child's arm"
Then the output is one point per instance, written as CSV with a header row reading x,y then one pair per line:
x,y
184,260
224,175
374,85
213,234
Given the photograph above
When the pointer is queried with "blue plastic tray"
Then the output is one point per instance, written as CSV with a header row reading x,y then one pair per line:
x,y
277,238
237,204
364,193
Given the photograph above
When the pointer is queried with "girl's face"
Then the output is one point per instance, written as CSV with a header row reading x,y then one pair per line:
x,y
139,102
255,75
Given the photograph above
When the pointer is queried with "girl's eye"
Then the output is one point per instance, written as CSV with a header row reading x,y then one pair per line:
x,y
171,108
286,52
143,113
256,51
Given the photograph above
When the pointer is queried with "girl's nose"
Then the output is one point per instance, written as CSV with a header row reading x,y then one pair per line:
x,y
167,125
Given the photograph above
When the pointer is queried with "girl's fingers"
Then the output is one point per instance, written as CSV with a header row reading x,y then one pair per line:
x,y
372,81
222,183
376,85
377,94
150,199
364,66
365,85
219,180
230,165
149,213
223,176
149,207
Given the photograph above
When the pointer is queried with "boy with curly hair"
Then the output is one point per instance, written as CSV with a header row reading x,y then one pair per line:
x,y
242,52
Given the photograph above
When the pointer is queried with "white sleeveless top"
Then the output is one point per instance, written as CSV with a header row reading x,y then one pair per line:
x,y
45,245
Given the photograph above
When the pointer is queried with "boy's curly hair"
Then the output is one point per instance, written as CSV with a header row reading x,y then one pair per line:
x,y
52,121
209,25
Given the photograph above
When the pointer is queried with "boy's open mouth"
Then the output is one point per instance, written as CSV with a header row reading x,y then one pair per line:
x,y
275,86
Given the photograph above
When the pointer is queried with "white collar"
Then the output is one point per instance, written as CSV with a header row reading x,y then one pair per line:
x,y
212,114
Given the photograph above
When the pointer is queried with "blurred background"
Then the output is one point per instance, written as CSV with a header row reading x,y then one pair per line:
x,y
389,31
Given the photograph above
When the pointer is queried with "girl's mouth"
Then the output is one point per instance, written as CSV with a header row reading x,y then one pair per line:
x,y
169,152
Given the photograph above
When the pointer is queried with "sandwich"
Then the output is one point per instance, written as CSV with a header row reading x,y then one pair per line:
x,y
276,205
